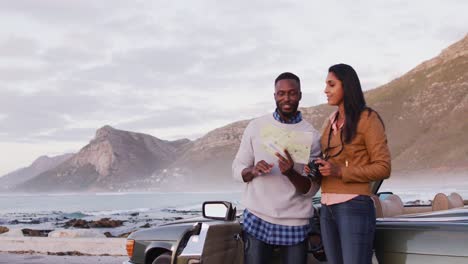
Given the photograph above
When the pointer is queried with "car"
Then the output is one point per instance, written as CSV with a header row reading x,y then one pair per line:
x,y
421,233
434,233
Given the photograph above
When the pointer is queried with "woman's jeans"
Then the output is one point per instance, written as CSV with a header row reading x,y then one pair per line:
x,y
258,252
348,231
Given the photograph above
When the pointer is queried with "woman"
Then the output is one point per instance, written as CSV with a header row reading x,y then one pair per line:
x,y
355,153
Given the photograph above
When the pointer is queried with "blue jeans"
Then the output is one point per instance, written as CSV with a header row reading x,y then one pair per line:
x,y
259,252
348,231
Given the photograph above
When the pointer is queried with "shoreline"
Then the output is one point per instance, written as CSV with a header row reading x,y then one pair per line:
x,y
28,258
64,246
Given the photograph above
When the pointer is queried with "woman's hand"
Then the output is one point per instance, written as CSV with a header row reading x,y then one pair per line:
x,y
306,170
328,169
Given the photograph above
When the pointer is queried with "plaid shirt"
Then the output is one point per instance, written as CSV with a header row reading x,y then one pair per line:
x,y
274,234
296,119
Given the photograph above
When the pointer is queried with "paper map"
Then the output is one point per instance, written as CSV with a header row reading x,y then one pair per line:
x,y
298,144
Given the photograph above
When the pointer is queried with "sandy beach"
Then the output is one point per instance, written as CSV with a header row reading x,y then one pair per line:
x,y
87,246
8,258
62,250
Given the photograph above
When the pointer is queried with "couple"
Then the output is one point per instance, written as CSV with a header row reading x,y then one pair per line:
x,y
351,153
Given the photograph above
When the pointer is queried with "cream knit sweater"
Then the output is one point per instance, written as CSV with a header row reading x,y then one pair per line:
x,y
273,197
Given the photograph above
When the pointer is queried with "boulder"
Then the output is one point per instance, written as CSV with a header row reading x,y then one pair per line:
x,y
104,222
35,233
3,229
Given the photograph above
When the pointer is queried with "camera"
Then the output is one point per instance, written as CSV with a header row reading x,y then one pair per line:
x,y
314,171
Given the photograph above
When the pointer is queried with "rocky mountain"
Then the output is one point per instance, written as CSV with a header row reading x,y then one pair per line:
x,y
113,158
208,161
39,166
423,112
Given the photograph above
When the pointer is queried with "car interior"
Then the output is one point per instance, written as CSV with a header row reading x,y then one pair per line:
x,y
392,205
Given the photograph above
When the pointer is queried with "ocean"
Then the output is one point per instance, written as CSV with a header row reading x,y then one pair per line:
x,y
145,209
51,211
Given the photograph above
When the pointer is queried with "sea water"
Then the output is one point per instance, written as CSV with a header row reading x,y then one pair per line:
x,y
51,211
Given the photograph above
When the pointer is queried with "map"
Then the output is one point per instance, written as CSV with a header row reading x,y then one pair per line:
x,y
298,144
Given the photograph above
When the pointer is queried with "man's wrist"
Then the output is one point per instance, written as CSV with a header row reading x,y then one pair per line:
x,y
247,174
290,173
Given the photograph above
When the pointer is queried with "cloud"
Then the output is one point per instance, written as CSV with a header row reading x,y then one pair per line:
x,y
69,67
30,114
18,47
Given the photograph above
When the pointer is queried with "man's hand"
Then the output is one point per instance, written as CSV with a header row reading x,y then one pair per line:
x,y
262,167
286,164
328,169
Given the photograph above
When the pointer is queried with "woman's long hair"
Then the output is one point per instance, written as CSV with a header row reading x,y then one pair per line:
x,y
353,98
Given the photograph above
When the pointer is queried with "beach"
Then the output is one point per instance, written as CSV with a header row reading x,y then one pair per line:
x,y
62,250
27,258
87,227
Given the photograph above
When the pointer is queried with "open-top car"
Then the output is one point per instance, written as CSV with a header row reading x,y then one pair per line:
x,y
422,233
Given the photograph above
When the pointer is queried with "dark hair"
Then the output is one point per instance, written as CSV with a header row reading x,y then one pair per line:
x,y
353,97
288,76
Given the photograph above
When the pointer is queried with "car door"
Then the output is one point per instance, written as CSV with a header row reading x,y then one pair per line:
x,y
223,244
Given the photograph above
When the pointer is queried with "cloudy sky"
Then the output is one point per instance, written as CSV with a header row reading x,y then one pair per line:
x,y
178,69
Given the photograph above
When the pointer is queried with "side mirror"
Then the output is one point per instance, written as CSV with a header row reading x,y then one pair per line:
x,y
219,210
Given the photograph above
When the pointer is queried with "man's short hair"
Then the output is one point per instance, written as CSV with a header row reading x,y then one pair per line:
x,y
288,76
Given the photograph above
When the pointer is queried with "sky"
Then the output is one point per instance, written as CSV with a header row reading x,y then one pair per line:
x,y
178,69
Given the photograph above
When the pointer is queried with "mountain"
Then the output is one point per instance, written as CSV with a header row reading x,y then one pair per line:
x,y
423,112
208,161
39,166
113,158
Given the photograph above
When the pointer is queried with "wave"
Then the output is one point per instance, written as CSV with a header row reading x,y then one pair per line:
x,y
74,215
118,212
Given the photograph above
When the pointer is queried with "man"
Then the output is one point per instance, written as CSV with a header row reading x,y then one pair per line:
x,y
277,197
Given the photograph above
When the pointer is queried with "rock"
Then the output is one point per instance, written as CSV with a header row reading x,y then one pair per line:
x,y
35,233
76,233
3,229
104,222
147,225
134,214
108,234
77,223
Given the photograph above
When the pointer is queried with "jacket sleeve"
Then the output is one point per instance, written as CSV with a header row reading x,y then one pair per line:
x,y
379,165
245,155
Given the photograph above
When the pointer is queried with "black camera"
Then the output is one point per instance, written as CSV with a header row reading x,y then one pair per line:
x,y
314,174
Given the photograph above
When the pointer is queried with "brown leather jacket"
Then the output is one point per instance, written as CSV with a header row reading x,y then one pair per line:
x,y
365,159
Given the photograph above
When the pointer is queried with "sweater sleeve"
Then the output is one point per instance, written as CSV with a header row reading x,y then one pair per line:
x,y
245,155
379,166
314,154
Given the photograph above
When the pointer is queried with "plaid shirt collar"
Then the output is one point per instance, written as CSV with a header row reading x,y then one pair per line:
x,y
296,119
